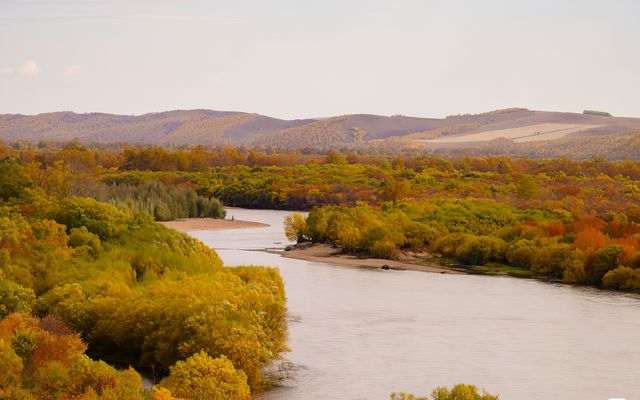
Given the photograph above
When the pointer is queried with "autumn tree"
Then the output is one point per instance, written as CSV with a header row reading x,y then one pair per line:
x,y
395,190
13,179
201,377
336,158
622,278
457,392
12,366
295,227
526,187
590,240
602,262
461,392
14,297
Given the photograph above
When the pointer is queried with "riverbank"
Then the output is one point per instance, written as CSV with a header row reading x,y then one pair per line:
x,y
391,324
204,224
324,253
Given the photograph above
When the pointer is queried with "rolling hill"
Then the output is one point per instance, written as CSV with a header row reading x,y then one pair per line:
x,y
515,129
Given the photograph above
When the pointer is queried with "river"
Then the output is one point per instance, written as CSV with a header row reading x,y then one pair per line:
x,y
364,333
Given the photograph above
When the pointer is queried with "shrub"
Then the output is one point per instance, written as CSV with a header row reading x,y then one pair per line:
x,y
201,377
461,392
604,260
101,219
384,249
480,249
458,392
622,278
521,253
552,259
84,241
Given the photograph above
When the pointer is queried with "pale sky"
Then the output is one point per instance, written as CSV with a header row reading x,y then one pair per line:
x,y
296,59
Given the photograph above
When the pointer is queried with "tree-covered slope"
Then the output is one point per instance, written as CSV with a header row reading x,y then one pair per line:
x,y
137,293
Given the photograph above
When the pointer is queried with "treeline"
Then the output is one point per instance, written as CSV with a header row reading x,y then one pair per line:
x,y
298,181
202,159
554,184
601,250
295,180
137,293
161,201
74,171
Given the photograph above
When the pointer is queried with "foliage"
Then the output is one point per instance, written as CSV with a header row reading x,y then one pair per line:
x,y
201,377
476,210
137,292
475,232
457,392
294,180
294,227
622,278
13,180
461,392
14,298
163,202
98,218
54,367
78,242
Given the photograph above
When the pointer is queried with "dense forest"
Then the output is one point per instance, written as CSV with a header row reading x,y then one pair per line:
x,y
574,221
135,292
299,181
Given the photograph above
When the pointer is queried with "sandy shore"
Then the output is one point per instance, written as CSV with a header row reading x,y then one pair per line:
x,y
310,252
201,224
327,254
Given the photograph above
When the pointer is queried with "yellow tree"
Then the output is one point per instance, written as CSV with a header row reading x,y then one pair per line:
x,y
295,227
395,190
201,377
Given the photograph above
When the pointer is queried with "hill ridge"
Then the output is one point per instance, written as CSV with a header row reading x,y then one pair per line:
x,y
215,127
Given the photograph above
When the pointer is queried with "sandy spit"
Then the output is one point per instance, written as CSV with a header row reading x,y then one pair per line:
x,y
327,254
205,224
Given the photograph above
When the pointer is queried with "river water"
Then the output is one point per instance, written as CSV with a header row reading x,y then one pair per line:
x,y
364,333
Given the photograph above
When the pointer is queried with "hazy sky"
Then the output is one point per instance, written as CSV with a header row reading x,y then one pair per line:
x,y
294,59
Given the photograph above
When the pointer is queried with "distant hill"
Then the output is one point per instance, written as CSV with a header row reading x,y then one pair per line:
x,y
515,128
171,127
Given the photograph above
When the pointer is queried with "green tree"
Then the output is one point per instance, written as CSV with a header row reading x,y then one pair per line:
x,y
14,298
13,179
